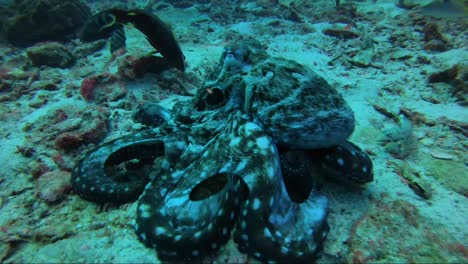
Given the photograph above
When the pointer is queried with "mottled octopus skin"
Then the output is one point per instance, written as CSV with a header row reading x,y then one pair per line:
x,y
236,163
345,163
310,115
247,155
90,180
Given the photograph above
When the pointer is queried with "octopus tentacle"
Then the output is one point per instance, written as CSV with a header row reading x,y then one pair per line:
x,y
189,213
345,163
183,225
284,231
91,181
278,226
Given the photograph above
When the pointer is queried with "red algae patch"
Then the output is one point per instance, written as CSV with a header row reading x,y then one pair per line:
x,y
69,127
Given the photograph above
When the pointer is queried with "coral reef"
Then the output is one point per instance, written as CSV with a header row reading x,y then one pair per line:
x,y
51,54
43,20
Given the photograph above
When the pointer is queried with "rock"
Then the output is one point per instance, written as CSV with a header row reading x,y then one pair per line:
x,y
431,32
386,108
440,93
87,88
43,20
131,67
102,88
401,54
5,250
442,155
51,54
68,141
364,58
63,162
341,33
413,178
46,85
446,75
456,76
93,128
450,173
182,4
434,39
52,186
38,170
436,45
39,100
89,48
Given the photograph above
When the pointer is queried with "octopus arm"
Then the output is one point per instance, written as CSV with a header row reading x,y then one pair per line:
x,y
345,163
271,226
189,213
91,180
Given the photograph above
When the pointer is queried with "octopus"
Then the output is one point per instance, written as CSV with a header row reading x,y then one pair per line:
x,y
244,159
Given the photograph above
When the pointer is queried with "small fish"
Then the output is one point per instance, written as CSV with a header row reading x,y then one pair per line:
x,y
106,23
99,26
117,40
156,31
445,9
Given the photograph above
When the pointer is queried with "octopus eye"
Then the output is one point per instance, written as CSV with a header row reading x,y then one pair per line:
x,y
209,187
214,97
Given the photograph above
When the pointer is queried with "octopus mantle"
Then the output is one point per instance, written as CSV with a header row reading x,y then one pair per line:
x,y
242,158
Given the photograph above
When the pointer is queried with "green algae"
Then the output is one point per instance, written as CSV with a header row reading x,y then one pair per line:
x,y
415,181
450,173
396,232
